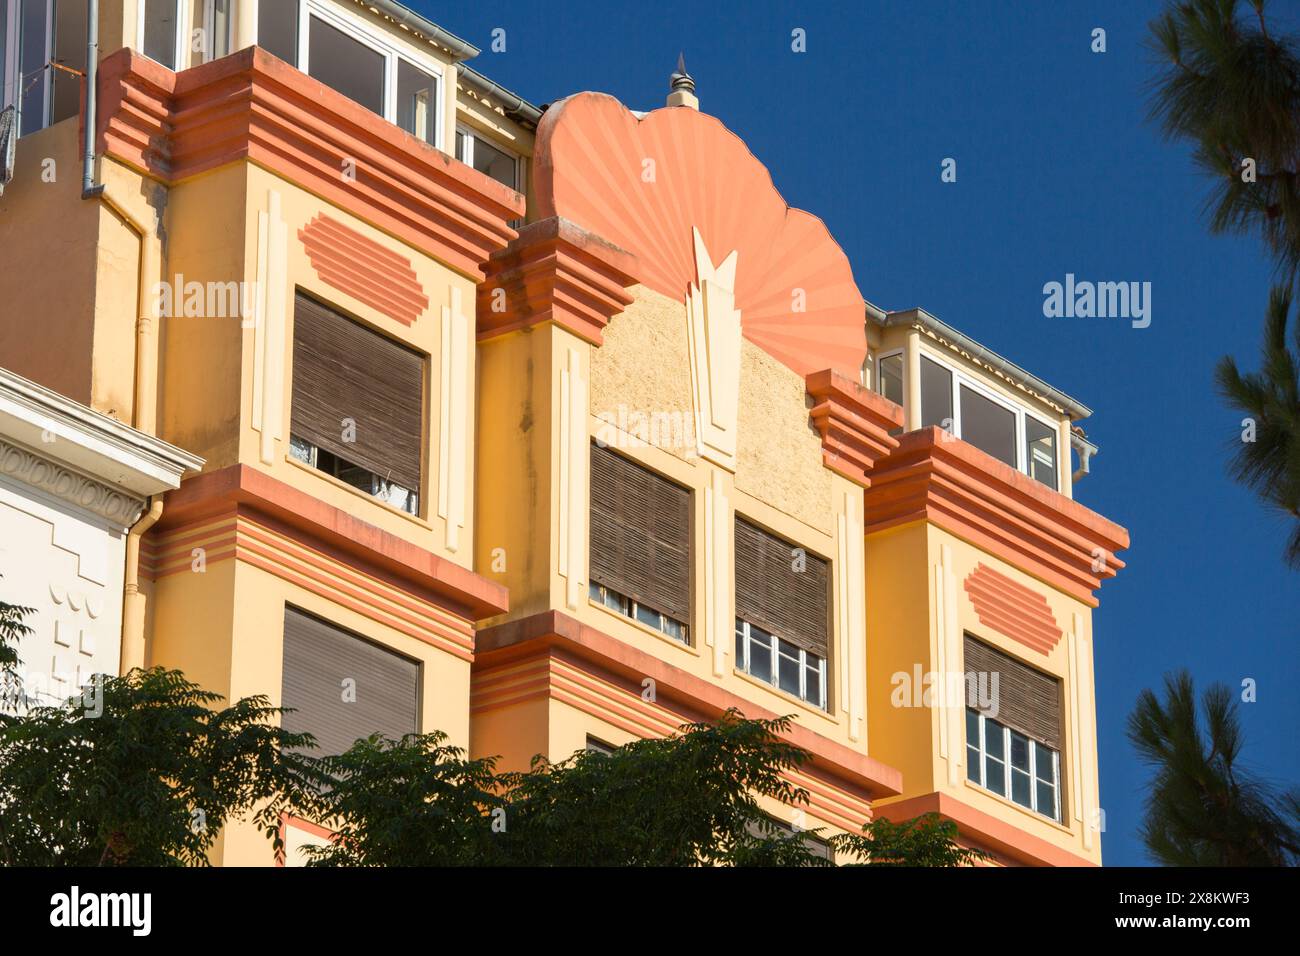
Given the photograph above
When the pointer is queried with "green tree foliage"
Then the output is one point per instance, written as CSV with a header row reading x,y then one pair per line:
x,y
1204,810
1231,88
1270,463
686,800
13,628
142,770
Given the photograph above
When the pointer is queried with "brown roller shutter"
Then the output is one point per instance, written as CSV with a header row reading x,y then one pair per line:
x,y
773,595
640,534
343,370
318,657
1027,699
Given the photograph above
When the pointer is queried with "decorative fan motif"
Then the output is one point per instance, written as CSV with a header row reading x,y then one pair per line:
x,y
643,184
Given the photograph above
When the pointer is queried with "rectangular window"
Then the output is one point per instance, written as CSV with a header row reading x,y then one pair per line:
x,y
782,616
217,28
599,746
775,829
417,102
1040,452
640,544
34,30
358,400
342,687
160,28
936,395
889,372
1013,735
988,425
346,65
487,158
277,29
70,50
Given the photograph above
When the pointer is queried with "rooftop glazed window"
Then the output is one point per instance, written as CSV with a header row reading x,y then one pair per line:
x,y
365,65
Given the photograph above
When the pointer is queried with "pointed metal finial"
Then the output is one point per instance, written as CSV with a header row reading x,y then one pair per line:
x,y
680,79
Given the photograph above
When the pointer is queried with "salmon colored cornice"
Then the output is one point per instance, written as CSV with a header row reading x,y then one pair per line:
x,y
551,632
985,830
644,184
854,422
936,477
244,490
251,105
555,271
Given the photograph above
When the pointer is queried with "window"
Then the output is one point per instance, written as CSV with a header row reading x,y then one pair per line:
x,y
70,50
772,828
1040,451
342,687
357,409
1013,736
973,413
889,375
161,32
346,65
474,150
277,29
988,425
599,746
936,395
32,34
640,544
782,596
218,25
346,55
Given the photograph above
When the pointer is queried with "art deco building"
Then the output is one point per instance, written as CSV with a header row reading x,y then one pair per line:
x,y
547,428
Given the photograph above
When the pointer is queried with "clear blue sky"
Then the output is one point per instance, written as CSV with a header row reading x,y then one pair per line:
x,y
1058,171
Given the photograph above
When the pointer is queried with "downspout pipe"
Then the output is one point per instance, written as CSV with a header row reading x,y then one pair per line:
x,y
145,399
92,79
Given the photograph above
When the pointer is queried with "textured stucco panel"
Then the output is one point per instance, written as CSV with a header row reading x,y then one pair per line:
x,y
779,453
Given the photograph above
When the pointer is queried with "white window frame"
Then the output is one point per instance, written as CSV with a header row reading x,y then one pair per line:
x,y
1005,760
633,606
359,31
182,33
472,136
960,378
209,37
11,84
743,630
880,378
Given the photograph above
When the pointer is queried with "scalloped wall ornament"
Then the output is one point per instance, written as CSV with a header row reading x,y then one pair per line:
x,y
644,184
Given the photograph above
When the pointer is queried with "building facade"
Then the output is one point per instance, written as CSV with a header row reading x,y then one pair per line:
x,y
547,428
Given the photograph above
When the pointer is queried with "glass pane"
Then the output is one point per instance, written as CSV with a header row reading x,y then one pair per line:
x,y
760,654
417,96
1019,751
1046,800
34,79
1040,451
300,449
993,744
891,378
740,647
995,775
4,53
350,67
936,394
813,683
972,764
1020,787
461,139
788,678
988,426
160,31
1044,765
648,616
277,29
673,628
972,727
219,28
70,50
494,162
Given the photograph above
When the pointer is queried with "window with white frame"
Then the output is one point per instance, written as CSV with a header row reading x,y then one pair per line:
x,y
488,158
780,663
1012,765
346,55
975,413
34,35
161,33
630,607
